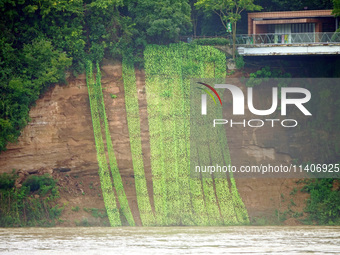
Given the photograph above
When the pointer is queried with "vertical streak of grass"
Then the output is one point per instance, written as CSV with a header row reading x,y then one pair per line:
x,y
198,193
117,179
239,207
132,111
169,84
170,162
216,69
211,199
224,195
182,159
207,180
190,69
104,174
156,135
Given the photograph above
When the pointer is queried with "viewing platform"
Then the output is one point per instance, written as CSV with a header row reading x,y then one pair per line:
x,y
289,44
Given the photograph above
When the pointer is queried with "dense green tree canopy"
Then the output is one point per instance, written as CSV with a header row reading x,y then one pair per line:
x,y
287,5
161,21
40,39
229,11
336,10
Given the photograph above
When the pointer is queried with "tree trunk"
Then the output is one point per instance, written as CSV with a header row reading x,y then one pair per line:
x,y
234,40
195,27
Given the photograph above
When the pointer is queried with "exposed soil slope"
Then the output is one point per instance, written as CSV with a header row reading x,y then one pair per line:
x,y
59,140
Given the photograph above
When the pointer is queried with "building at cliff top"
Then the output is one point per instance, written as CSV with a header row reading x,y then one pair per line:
x,y
308,32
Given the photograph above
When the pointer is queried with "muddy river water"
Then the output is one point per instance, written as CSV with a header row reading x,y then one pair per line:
x,y
171,240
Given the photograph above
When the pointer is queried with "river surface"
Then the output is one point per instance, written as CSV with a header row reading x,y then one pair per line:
x,y
171,240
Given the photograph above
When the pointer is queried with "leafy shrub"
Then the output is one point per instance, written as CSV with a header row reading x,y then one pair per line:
x,y
7,181
42,183
83,223
18,208
75,209
96,213
97,52
267,73
239,62
212,41
323,205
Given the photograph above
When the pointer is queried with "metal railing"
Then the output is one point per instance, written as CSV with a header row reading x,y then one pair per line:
x,y
288,38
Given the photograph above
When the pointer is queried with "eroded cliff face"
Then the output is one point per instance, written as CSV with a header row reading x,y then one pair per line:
x,y
58,135
59,140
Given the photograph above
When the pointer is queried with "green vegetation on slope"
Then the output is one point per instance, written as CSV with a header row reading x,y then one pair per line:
x,y
117,179
39,40
99,121
180,199
323,205
33,204
132,112
24,75
104,174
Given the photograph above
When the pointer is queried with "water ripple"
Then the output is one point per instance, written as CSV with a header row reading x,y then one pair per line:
x,y
171,240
